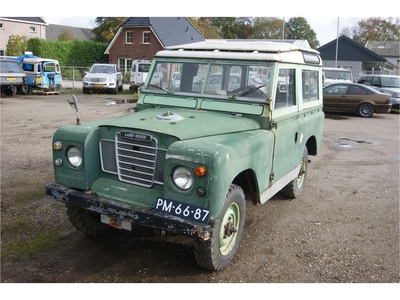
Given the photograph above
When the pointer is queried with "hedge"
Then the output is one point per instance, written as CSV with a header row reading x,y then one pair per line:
x,y
69,53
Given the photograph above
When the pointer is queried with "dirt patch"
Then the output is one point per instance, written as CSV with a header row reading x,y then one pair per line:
x,y
344,227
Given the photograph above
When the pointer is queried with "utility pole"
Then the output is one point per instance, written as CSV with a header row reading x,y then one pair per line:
x,y
337,42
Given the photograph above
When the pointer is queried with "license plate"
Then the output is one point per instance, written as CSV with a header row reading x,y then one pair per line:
x,y
119,224
98,86
11,79
183,210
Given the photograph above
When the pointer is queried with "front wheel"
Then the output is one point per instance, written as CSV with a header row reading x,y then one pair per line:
x,y
226,231
86,221
296,186
365,110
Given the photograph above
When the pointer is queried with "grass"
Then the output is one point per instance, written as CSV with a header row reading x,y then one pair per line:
x,y
34,245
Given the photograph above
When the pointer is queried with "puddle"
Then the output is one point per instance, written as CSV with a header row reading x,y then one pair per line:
x,y
349,143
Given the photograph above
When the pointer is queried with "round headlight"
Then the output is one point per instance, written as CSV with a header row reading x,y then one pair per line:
x,y
183,178
74,156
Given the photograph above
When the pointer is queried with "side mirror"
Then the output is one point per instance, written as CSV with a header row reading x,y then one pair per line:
x,y
74,105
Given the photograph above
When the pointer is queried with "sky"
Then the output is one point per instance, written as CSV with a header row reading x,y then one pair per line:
x,y
325,28
324,17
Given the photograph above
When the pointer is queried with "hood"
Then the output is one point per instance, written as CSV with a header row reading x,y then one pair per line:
x,y
183,123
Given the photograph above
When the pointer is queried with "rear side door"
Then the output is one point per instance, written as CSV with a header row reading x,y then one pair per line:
x,y
287,130
51,75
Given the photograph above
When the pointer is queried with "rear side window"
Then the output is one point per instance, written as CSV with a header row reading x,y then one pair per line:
x,y
356,90
310,85
285,90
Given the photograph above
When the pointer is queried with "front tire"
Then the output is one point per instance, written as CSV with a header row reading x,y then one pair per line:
x,y
226,231
86,221
296,186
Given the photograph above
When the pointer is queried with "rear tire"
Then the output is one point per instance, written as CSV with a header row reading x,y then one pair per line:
x,y
226,231
296,186
86,221
365,110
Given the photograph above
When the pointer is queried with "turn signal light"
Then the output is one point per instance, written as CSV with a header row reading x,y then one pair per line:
x,y
201,171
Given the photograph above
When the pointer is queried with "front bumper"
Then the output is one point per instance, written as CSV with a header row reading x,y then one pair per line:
x,y
121,211
99,86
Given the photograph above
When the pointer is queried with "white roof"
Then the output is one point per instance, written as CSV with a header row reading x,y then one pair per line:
x,y
242,50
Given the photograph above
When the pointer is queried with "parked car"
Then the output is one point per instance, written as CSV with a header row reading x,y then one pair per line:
x,y
103,77
389,84
12,77
355,98
336,75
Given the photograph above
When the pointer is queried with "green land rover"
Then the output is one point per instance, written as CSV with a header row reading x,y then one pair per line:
x,y
235,128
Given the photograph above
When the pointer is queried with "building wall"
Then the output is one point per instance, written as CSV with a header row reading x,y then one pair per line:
x,y
9,28
136,50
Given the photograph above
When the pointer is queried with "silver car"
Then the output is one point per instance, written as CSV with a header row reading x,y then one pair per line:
x,y
12,78
103,77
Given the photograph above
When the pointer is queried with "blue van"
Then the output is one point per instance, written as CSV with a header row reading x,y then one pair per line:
x,y
43,74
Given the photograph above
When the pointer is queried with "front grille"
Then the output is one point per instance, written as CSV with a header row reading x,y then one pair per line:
x,y
134,161
96,80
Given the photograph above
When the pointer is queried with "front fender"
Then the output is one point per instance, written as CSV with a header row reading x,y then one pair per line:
x,y
225,156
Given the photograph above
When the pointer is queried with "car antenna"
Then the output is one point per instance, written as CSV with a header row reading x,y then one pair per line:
x,y
74,105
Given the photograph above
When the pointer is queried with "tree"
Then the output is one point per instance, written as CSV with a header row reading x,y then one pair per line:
x,y
299,29
228,28
17,45
268,28
374,29
66,35
107,28
206,28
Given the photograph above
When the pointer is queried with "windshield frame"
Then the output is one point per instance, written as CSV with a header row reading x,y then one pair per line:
x,y
253,76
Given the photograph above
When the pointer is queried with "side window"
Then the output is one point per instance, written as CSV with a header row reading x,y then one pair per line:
x,y
285,90
336,89
355,90
376,81
310,85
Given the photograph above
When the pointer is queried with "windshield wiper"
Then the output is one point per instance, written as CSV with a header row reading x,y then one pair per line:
x,y
161,88
246,91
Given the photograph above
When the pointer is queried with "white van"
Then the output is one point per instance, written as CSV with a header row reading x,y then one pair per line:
x,y
335,75
139,71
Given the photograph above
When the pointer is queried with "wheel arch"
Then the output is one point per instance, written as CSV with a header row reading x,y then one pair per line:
x,y
312,146
247,180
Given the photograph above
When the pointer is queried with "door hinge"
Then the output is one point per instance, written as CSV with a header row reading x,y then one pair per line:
x,y
271,176
273,124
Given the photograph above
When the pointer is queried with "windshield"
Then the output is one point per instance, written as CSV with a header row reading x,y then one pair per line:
x,y
393,82
223,80
337,74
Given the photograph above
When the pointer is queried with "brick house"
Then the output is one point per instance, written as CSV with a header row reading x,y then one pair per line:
x,y
142,37
30,27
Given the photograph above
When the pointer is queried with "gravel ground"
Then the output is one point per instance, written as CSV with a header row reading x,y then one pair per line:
x,y
343,229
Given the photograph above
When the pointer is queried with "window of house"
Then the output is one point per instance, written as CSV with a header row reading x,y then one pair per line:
x,y
1,26
125,65
129,37
146,37
32,29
